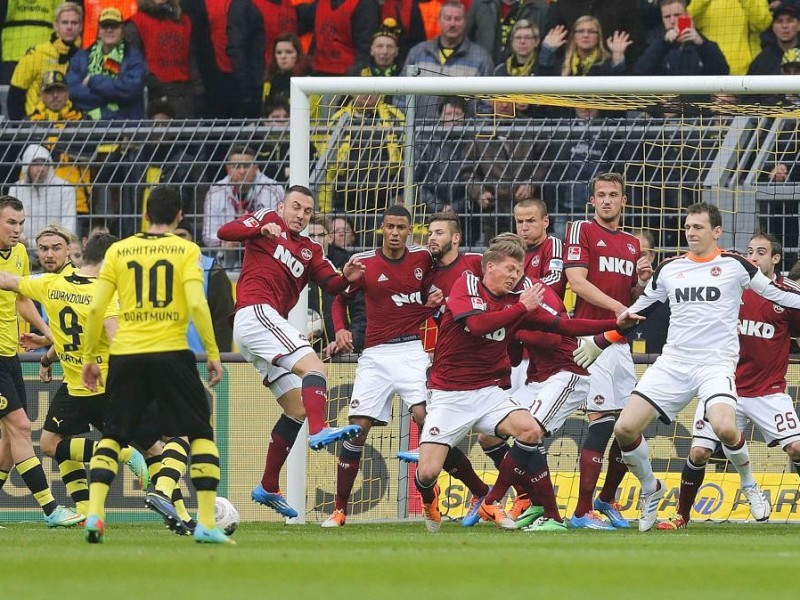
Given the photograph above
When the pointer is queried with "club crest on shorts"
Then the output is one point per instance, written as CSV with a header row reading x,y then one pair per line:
x,y
599,400
3,402
699,424
433,431
354,403
306,253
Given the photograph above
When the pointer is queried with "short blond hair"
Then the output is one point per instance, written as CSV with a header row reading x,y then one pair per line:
x,y
69,7
55,229
502,246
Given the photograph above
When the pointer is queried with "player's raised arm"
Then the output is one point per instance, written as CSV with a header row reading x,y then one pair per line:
x,y
250,226
786,294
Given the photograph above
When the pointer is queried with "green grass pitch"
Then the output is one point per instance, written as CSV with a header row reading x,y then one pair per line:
x,y
400,560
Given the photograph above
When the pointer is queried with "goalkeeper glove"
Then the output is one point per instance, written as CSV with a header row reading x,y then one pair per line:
x,y
586,352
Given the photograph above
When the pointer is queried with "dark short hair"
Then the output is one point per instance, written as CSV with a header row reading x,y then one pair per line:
x,y
11,202
530,202
775,246
452,220
274,104
714,216
156,107
300,189
163,205
610,177
241,149
96,248
397,210
456,101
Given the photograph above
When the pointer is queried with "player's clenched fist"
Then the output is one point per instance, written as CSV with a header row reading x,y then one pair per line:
x,y
271,230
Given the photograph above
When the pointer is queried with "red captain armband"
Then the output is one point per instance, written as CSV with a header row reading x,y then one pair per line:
x,y
604,340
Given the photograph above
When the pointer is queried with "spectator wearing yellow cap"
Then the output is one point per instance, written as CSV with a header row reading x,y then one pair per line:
x,y
106,81
54,103
53,55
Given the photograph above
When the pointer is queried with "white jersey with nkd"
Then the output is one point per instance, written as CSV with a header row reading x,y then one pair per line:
x,y
704,297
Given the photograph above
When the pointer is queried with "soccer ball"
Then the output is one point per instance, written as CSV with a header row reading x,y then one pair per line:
x,y
226,517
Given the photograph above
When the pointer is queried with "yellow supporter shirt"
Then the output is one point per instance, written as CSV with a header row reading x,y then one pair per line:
x,y
149,271
14,261
66,299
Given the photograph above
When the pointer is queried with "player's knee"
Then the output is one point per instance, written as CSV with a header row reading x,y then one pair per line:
x,y
699,455
531,433
428,473
625,432
17,425
727,433
48,443
793,450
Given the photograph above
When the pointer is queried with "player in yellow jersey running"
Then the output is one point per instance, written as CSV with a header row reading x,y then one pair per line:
x,y
16,447
65,294
159,279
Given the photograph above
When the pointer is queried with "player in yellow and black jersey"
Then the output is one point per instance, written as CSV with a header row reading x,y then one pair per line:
x,y
65,298
16,447
160,283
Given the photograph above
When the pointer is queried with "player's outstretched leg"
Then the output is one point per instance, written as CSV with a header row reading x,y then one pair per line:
x,y
314,393
268,492
174,459
692,477
606,502
591,464
739,456
637,457
347,467
102,471
430,504
205,477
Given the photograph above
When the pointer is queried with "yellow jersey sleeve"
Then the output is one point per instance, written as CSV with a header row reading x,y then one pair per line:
x,y
14,261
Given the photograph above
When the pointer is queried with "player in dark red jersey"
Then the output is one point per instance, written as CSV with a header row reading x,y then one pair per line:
x,y
606,271
469,363
765,332
393,361
278,263
543,261
444,241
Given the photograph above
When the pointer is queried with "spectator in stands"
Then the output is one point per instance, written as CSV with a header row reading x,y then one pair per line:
x,y
286,60
614,16
107,80
364,171
489,23
54,103
785,36
735,25
243,190
439,160
574,163
53,55
163,33
417,20
93,8
343,34
280,19
232,65
25,24
162,159
585,53
342,239
384,52
451,54
47,198
273,152
76,251
680,51
321,302
525,38
219,293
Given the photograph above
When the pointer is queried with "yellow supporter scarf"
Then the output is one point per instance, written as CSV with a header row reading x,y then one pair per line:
x,y
516,69
579,66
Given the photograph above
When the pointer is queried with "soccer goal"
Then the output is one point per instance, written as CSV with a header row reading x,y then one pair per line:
x,y
476,146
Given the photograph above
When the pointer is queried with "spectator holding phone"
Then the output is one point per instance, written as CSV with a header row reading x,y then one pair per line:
x,y
682,50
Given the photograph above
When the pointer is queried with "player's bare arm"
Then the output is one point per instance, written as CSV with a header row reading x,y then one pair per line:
x,y
644,270
586,290
27,310
353,269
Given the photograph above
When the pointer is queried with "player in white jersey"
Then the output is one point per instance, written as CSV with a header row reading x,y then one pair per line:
x,y
765,332
704,288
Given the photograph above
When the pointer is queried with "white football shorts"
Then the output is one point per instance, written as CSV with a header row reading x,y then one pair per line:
x,y
271,344
774,416
384,371
451,415
670,384
612,379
